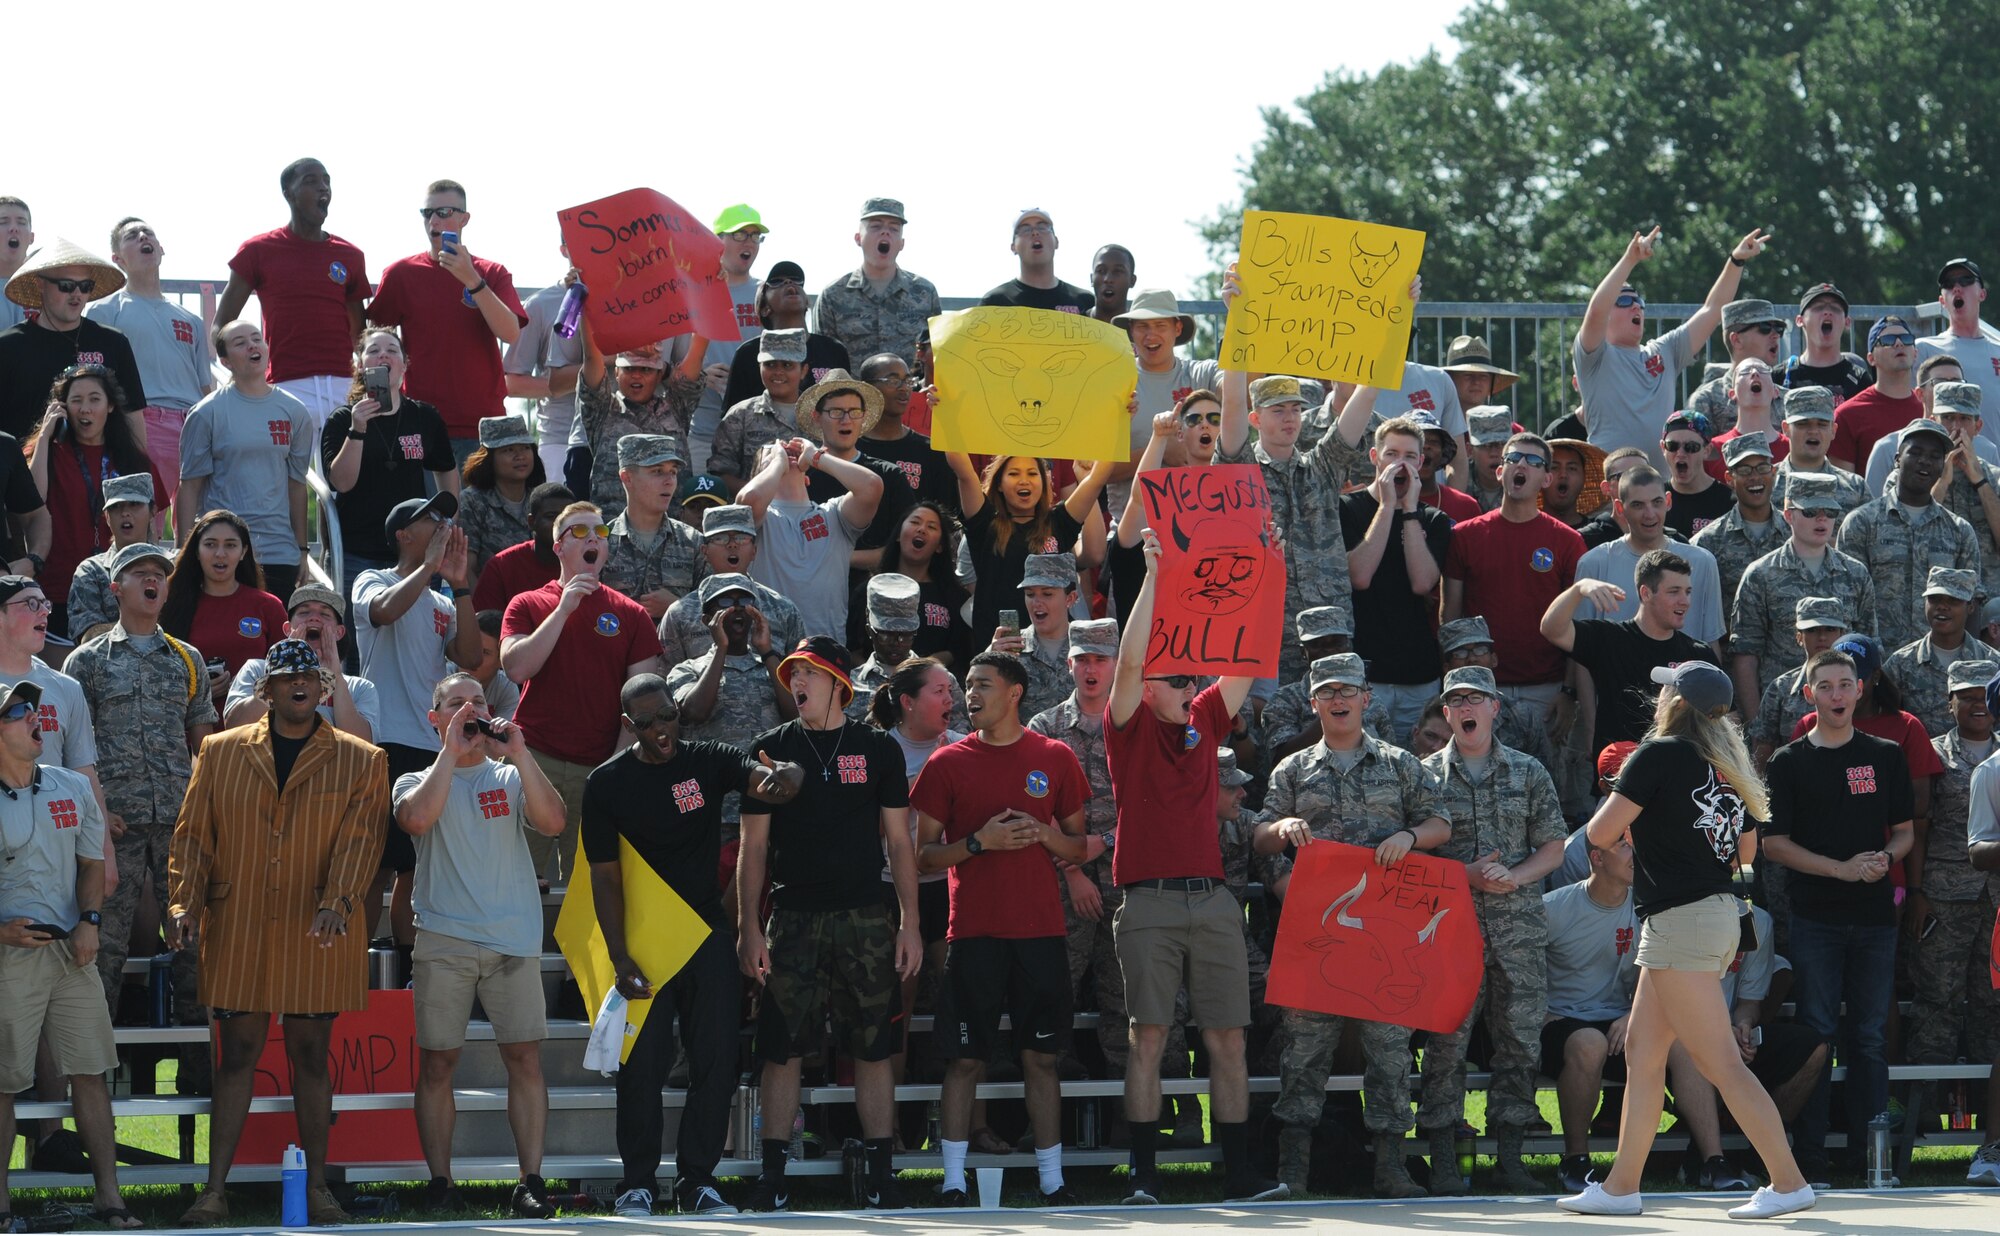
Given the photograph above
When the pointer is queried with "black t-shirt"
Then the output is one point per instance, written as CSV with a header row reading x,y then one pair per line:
x,y
746,379
1684,841
1393,631
398,449
17,493
1839,802
1570,426
1621,659
998,585
627,797
924,466
897,497
1690,513
826,844
1846,377
31,356
1066,297
285,752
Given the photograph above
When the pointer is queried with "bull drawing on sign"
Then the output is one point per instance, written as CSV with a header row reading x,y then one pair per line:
x,y
1382,962
1225,576
1036,417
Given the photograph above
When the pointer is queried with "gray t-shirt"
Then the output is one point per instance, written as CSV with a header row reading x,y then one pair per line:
x,y
1749,976
538,350
67,737
170,344
367,701
1426,388
43,831
251,450
1980,359
802,552
1592,955
1628,393
1615,563
404,659
914,755
475,880
708,412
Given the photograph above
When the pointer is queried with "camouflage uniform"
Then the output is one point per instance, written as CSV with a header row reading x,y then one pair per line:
x,y
1386,790
1899,554
491,523
1242,866
1049,682
746,705
1731,540
871,674
1712,400
1763,624
1951,968
1849,490
745,429
1305,504
608,416
1783,706
674,561
1962,500
684,636
1916,670
1290,714
156,687
90,600
867,320
1511,808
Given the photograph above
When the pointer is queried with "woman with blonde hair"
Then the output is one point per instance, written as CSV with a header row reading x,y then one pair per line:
x,y
1690,799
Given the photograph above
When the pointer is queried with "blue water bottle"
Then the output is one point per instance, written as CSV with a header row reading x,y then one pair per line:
x,y
293,1212
570,316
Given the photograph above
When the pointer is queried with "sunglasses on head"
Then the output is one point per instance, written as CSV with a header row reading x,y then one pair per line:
x,y
88,369
1179,682
67,286
16,710
1196,418
1523,457
1627,300
584,532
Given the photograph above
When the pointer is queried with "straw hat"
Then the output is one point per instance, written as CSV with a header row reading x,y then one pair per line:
x,y
836,381
1469,354
25,289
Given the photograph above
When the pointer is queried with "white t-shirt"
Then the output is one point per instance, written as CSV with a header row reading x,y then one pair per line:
x,y
67,737
802,552
475,880
251,450
404,659
1980,359
1628,393
170,344
1614,562
367,701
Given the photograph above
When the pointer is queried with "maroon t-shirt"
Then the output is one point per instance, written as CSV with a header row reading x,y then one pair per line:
x,y
1511,572
509,573
1164,778
237,628
569,709
454,356
304,288
1866,419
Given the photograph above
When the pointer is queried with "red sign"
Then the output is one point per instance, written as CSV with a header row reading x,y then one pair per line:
x,y
1219,607
373,1051
1393,944
652,269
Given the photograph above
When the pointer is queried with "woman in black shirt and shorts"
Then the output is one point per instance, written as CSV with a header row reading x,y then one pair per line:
x,y
1689,798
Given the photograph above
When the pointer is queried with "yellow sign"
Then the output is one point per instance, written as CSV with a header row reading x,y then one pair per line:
x,y
1032,382
661,931
1322,297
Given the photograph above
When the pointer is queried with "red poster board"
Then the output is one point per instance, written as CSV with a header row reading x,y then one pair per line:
x,y
1395,944
1219,607
373,1051
653,270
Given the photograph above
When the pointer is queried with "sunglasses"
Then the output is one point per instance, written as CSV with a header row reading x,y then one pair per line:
x,y
1629,299
1179,682
440,212
1894,341
1816,512
67,286
86,370
1196,418
894,382
1959,281
1344,692
584,532
1523,457
16,711
1769,328
794,284
666,716
844,414
1472,650
1683,448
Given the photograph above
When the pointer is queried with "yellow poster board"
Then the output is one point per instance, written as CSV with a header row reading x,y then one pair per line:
x,y
1323,297
1032,382
661,931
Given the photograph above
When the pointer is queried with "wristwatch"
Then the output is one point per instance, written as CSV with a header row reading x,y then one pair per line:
x,y
972,845
36,561
93,917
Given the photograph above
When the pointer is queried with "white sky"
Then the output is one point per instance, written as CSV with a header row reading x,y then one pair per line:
x,y
779,104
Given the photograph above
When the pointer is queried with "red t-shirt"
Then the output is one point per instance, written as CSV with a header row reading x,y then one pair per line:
x,y
238,627
1511,572
1866,419
1781,446
454,357
509,573
1164,778
570,709
76,511
1456,503
1906,732
1008,894
304,288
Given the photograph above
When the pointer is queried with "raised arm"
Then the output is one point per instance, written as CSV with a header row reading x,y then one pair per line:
x,y
971,494
1559,622
863,484
759,491
1603,299
1235,394
1723,290
1128,680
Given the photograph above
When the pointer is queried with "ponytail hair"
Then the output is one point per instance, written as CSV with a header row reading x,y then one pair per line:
x,y
885,707
1719,742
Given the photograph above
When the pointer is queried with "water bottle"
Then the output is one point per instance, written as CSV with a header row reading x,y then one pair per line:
x,y
570,316
799,1137
293,1212
160,987
1881,1152
1468,1157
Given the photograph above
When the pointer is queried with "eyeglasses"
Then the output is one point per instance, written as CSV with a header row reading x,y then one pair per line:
x,y
1894,341
1343,692
1034,229
1958,281
16,711
1179,682
1683,448
746,236
893,382
584,532
440,212
1523,457
1629,299
68,286
732,540
1472,650
794,284
34,605
1464,699
1750,469
666,716
1196,418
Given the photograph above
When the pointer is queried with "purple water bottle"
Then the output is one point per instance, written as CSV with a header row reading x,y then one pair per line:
x,y
570,316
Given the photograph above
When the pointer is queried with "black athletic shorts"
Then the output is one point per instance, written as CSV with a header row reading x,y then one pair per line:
x,y
984,977
1556,1034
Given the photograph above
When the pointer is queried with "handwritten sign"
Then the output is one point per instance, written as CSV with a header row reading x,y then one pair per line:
x,y
373,1051
660,929
1394,944
1219,607
1032,382
653,271
1321,296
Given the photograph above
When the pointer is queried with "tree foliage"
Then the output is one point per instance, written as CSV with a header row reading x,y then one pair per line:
x,y
1858,131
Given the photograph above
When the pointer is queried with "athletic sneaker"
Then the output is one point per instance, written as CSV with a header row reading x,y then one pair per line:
x,y
1573,1172
953,1198
1768,1203
442,1195
768,1195
1063,1196
1595,1201
885,1196
1145,1191
634,1204
1985,1167
1720,1175
701,1199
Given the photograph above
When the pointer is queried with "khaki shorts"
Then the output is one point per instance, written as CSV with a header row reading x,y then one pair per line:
x,y
1701,935
43,989
448,972
1167,939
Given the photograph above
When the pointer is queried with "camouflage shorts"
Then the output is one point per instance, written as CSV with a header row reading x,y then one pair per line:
x,y
841,962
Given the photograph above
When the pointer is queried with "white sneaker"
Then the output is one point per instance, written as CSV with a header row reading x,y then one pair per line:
x,y
1595,1201
634,1204
1985,1167
1768,1203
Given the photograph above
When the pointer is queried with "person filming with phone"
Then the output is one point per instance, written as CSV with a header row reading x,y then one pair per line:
x,y
377,447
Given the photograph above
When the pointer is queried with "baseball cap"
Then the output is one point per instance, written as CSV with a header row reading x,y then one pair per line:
x,y
736,218
1226,771
305,594
786,270
1032,212
1699,683
128,487
1342,668
705,489
1692,421
1971,268
443,503
1818,290
1096,636
1274,390
1471,678
1866,651
121,562
1809,403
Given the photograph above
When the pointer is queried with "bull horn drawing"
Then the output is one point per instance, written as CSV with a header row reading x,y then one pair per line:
x,y
1430,928
1338,910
